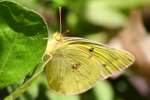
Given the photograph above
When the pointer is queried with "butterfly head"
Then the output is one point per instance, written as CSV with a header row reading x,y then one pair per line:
x,y
57,36
54,43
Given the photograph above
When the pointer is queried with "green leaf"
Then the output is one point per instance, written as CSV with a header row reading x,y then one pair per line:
x,y
22,42
104,91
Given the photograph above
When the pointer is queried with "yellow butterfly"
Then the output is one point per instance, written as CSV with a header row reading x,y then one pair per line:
x,y
76,63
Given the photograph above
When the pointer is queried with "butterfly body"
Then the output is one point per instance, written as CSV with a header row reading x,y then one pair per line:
x,y
78,63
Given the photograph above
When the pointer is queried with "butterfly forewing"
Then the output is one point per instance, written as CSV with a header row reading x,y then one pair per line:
x,y
112,60
79,63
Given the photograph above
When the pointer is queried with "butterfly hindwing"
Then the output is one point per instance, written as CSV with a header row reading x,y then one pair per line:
x,y
71,70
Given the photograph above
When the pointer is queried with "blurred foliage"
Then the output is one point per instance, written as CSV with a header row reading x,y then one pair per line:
x,y
99,20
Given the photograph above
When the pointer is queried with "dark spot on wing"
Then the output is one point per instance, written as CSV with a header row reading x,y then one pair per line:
x,y
76,66
91,49
104,65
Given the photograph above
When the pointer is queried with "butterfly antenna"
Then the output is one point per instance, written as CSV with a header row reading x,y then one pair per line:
x,y
60,21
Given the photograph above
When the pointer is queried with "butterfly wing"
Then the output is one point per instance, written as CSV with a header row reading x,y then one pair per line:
x,y
78,64
113,60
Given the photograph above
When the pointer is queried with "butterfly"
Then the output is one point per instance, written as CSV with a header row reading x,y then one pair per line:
x,y
77,64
